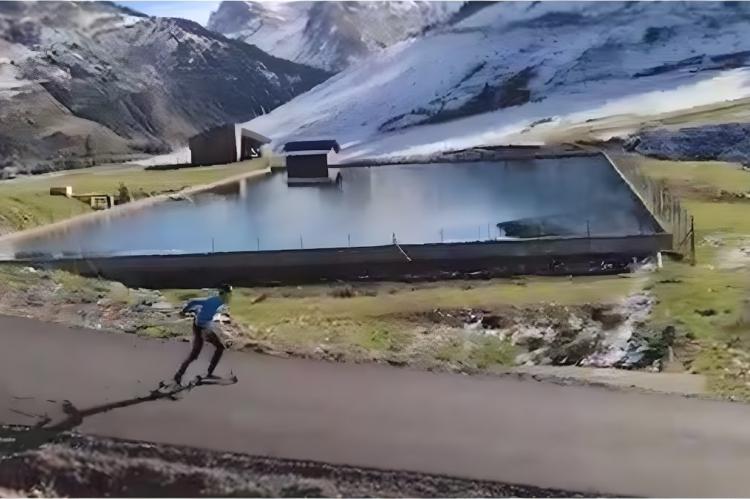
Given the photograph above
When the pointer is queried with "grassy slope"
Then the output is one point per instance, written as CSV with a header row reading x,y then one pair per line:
x,y
26,203
710,300
623,124
385,320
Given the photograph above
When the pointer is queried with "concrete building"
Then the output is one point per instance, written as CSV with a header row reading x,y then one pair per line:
x,y
225,144
307,160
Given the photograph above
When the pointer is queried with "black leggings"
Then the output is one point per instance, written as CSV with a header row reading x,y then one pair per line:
x,y
198,337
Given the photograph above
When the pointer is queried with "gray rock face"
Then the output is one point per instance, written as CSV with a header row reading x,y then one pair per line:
x,y
131,81
726,142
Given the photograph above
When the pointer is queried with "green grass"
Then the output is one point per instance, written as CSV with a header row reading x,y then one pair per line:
x,y
490,351
480,351
383,339
422,298
708,303
725,112
14,277
159,331
691,178
383,319
454,352
83,289
375,316
26,203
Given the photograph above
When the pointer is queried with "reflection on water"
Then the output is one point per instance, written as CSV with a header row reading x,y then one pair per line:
x,y
417,203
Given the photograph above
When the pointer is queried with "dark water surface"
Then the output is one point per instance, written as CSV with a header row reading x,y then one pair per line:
x,y
417,203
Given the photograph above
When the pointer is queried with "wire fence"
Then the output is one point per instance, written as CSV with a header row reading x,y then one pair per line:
x,y
666,207
521,229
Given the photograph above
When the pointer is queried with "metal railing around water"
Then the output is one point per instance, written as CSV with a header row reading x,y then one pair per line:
x,y
468,233
662,204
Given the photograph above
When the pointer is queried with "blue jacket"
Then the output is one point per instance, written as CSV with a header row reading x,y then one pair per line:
x,y
204,309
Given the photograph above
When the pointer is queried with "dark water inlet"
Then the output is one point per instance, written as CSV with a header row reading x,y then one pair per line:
x,y
419,204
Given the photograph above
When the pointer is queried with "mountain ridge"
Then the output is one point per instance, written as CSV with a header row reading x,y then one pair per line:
x,y
328,35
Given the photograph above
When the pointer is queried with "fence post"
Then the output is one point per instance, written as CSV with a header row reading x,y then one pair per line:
x,y
349,239
258,241
441,235
588,228
692,240
301,244
213,248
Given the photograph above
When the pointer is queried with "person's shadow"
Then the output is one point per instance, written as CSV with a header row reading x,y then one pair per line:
x,y
19,438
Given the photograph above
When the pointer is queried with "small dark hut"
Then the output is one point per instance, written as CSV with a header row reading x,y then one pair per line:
x,y
225,144
308,159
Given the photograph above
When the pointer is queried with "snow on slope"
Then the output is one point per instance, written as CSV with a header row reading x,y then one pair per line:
x,y
274,27
327,35
489,77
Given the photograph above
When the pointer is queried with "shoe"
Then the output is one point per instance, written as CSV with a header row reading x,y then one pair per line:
x,y
177,380
211,376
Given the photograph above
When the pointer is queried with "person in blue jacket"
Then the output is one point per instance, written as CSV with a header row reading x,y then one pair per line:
x,y
203,311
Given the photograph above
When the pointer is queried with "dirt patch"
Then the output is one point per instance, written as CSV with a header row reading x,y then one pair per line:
x,y
84,466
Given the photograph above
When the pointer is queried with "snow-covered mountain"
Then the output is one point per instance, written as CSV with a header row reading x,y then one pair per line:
x,y
518,72
83,78
328,35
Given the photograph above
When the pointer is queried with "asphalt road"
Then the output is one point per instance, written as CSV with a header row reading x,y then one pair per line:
x,y
570,437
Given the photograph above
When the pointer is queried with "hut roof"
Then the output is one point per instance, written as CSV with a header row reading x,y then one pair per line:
x,y
312,146
246,132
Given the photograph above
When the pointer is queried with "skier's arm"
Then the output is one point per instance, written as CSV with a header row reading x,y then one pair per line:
x,y
191,306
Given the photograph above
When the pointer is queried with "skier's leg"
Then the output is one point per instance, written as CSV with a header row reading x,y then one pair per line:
x,y
194,352
214,339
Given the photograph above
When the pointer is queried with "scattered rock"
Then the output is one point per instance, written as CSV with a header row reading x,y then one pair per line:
x,y
708,312
607,317
255,346
308,487
723,142
574,352
492,321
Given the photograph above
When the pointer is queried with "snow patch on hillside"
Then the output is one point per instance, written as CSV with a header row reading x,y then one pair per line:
x,y
178,157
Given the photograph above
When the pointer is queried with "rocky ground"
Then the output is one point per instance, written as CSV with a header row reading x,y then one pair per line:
x,y
70,464
722,142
